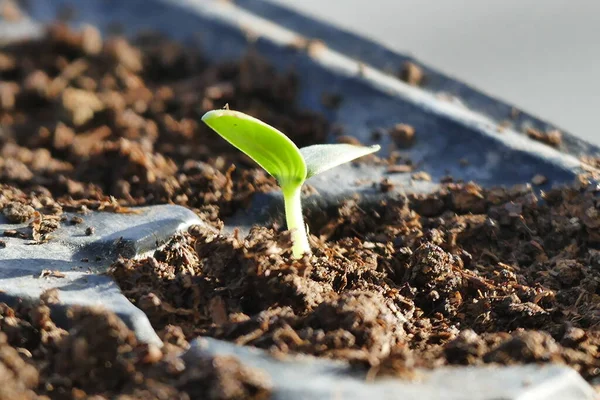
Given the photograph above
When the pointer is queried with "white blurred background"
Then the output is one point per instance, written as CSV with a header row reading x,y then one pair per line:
x,y
542,56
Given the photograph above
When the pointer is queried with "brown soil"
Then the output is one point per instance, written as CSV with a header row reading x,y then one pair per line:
x,y
87,119
462,276
552,138
412,74
100,356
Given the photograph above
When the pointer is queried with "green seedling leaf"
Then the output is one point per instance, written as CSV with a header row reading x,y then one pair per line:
x,y
270,148
322,157
280,157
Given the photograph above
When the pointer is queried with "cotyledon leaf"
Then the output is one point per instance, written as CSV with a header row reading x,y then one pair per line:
x,y
321,157
269,147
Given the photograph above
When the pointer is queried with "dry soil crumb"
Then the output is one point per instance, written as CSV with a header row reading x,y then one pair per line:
x,y
552,138
412,74
403,135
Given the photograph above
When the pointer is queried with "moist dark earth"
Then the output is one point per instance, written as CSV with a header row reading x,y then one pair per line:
x,y
463,276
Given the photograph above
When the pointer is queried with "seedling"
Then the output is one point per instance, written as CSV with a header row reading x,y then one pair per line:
x,y
282,159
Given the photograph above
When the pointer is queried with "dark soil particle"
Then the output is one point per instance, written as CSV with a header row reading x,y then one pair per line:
x,y
16,212
412,74
403,135
552,138
463,276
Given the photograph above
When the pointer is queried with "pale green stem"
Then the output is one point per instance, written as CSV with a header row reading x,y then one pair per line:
x,y
295,221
